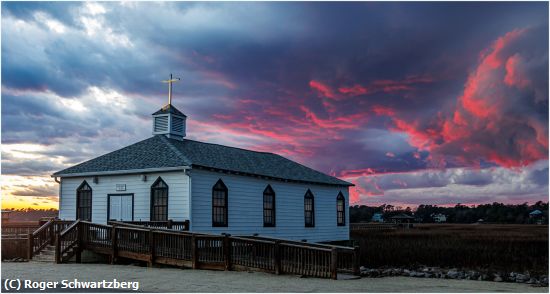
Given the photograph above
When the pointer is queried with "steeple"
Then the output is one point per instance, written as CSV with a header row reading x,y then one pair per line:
x,y
169,121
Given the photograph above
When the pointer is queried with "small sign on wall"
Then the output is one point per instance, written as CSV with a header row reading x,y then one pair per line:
x,y
121,187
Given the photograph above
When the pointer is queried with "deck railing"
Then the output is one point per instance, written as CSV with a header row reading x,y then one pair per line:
x,y
207,251
68,243
44,235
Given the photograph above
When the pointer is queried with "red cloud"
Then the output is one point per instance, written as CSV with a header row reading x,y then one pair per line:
x,y
386,86
496,118
323,89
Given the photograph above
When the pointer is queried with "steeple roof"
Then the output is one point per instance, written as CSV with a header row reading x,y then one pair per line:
x,y
169,108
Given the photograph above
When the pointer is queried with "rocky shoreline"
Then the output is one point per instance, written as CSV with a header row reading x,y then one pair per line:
x,y
457,274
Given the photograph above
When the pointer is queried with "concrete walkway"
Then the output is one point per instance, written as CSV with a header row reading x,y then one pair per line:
x,y
187,280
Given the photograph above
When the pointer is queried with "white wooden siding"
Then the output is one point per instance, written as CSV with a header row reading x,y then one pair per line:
x,y
178,199
245,204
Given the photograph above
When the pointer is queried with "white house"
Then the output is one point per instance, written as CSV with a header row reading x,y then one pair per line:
x,y
378,218
439,218
219,189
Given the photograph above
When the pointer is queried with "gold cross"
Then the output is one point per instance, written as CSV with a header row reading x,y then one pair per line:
x,y
170,81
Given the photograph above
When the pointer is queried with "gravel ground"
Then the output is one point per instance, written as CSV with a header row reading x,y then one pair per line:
x,y
187,280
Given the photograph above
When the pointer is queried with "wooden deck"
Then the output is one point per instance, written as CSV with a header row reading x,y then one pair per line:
x,y
205,251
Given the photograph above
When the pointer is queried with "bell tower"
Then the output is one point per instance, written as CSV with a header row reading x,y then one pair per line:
x,y
169,121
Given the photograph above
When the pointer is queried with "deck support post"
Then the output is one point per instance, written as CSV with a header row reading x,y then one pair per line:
x,y
113,244
334,263
151,248
169,224
194,251
227,252
356,261
30,246
277,257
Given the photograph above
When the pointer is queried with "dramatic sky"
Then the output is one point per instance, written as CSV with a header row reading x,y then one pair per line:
x,y
437,103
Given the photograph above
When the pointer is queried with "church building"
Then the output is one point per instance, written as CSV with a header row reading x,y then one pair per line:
x,y
219,189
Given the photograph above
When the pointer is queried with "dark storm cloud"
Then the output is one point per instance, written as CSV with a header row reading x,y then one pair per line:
x,y
370,84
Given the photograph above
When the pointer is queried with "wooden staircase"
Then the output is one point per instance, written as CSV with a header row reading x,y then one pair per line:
x,y
47,254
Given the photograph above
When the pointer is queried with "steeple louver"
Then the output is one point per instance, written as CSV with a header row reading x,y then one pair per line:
x,y
169,121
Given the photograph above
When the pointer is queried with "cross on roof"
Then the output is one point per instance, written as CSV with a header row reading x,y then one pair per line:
x,y
170,81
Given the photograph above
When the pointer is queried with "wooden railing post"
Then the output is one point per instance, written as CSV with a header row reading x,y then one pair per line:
x,y
194,251
113,244
79,242
356,260
227,252
52,233
30,246
151,248
334,264
57,247
277,257
186,225
169,224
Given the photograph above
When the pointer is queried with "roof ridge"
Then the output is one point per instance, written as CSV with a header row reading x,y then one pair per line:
x,y
175,149
239,148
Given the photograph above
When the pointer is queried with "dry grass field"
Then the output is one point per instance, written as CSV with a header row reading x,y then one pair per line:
x,y
474,246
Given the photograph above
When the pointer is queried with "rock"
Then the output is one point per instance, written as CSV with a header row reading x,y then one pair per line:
x,y
427,275
362,268
412,274
532,281
498,279
387,272
521,278
452,274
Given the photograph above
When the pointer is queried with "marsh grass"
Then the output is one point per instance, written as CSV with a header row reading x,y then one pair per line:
x,y
474,246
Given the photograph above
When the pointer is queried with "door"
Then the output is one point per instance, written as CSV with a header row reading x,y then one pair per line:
x,y
121,207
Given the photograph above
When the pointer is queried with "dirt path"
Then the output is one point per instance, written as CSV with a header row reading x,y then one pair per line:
x,y
178,280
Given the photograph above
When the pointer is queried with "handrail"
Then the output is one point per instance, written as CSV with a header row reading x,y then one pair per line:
x,y
305,247
67,229
318,245
43,227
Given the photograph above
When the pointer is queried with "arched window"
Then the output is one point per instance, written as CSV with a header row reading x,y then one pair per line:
x,y
159,201
84,202
269,207
340,209
309,209
219,204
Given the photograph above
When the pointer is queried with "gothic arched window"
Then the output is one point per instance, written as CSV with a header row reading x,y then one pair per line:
x,y
159,201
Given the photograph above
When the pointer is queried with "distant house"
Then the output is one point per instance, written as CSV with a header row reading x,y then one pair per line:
x,y
536,216
378,218
6,215
402,218
439,217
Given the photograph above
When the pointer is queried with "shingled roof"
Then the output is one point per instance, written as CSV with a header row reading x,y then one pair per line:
x,y
160,152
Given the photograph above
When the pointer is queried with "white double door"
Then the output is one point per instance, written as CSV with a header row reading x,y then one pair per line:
x,y
120,207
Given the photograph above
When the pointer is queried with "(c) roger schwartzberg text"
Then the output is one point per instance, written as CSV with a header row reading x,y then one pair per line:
x,y
23,284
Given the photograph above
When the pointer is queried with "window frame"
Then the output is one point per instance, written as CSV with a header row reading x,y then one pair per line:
x,y
309,196
79,192
269,191
225,207
152,215
341,198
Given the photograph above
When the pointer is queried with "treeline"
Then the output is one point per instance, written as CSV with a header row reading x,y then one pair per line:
x,y
492,213
31,214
